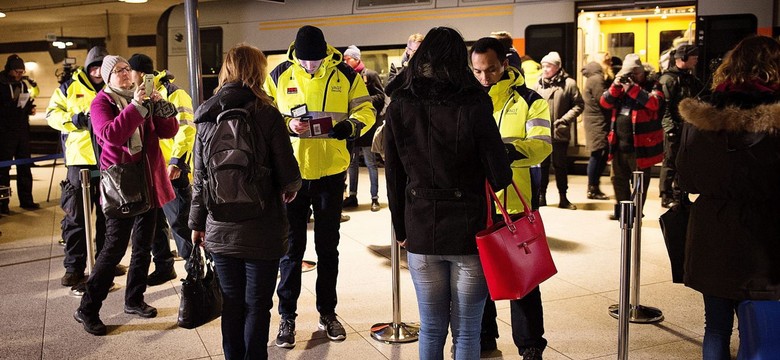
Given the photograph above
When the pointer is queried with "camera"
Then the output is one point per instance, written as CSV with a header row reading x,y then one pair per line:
x,y
149,84
67,69
625,79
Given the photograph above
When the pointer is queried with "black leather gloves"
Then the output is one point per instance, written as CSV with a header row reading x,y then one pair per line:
x,y
512,153
342,130
81,120
164,109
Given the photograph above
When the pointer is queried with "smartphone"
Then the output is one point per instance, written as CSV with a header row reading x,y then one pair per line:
x,y
149,84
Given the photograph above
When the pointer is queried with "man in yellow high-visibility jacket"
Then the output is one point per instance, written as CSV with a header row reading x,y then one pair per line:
x,y
335,97
176,153
523,119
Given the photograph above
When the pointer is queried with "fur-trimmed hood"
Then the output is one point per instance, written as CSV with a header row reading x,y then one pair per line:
x,y
705,116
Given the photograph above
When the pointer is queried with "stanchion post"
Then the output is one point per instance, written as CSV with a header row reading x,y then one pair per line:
x,y
627,209
87,203
396,331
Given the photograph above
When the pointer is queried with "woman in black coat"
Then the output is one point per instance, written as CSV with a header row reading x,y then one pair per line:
x,y
441,143
246,252
597,122
730,156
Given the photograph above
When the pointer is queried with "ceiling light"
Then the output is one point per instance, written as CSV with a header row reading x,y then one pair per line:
x,y
2,14
133,1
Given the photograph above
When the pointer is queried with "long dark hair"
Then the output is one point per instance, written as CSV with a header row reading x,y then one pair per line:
x,y
755,57
442,58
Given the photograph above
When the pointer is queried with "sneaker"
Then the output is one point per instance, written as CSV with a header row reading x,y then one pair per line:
x,y
286,336
375,205
532,353
120,270
71,278
158,276
332,327
350,202
144,310
566,204
92,325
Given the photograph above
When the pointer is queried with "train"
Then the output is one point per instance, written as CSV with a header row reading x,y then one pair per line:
x,y
577,30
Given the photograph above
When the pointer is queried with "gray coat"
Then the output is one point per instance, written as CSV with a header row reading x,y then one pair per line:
x,y
260,238
595,118
565,103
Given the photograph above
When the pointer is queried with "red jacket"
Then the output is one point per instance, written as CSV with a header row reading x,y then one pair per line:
x,y
645,102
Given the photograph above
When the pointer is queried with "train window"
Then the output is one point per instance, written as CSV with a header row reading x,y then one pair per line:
x,y
621,44
362,4
211,58
541,39
667,39
717,34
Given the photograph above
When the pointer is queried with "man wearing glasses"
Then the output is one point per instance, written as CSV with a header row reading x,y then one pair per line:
x,y
16,106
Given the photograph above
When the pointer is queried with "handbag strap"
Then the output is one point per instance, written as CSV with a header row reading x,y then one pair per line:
x,y
490,194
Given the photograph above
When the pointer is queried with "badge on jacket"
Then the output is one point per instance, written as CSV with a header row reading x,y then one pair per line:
x,y
292,90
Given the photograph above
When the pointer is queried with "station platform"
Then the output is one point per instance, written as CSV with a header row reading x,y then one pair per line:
x,y
36,312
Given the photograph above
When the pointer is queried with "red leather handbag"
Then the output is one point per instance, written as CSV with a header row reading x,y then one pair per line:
x,y
514,253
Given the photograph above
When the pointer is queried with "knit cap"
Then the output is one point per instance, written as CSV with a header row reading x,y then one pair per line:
x,y
310,44
14,63
95,56
353,52
142,63
108,65
552,58
686,50
630,63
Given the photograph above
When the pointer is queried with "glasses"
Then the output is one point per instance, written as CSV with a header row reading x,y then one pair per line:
x,y
121,70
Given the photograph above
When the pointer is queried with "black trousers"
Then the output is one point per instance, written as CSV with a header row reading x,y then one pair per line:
x,y
623,167
15,145
73,224
558,159
117,238
668,185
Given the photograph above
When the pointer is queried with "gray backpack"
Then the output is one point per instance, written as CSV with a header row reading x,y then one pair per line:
x,y
234,166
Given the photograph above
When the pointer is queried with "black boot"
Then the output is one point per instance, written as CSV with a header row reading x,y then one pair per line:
x,y
542,199
615,213
595,193
565,203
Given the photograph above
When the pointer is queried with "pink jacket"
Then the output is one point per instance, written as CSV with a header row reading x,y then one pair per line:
x,y
113,129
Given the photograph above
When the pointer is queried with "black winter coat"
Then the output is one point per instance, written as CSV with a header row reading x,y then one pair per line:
x,y
730,156
377,92
596,119
12,117
265,237
439,148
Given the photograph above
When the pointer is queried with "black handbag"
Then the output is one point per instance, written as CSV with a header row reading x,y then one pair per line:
x,y
201,298
674,225
124,191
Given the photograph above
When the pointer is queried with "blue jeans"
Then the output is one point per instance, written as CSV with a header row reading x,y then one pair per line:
x,y
451,291
373,174
718,325
596,165
247,294
324,197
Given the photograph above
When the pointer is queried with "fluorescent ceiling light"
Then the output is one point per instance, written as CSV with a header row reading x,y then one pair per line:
x,y
133,1
2,14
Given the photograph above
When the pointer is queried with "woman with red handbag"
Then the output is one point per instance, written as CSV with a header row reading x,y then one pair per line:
x,y
441,143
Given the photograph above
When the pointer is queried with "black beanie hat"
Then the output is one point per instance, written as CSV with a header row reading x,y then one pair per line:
x,y
14,63
142,63
310,44
686,50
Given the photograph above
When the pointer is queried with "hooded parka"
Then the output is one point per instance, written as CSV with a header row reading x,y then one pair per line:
x,y
595,118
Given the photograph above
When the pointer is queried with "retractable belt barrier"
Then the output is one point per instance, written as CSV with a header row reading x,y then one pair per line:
x,y
9,163
628,309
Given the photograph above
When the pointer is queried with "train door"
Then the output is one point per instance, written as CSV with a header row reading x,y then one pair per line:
x,y
616,31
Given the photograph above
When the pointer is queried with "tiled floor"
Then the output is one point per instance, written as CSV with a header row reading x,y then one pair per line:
x,y
37,320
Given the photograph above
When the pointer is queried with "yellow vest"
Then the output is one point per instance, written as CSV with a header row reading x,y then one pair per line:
x,y
72,97
181,144
523,119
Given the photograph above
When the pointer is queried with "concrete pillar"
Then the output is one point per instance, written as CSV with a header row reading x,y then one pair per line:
x,y
116,34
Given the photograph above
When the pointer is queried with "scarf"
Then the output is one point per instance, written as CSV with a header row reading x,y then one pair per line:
x,y
122,98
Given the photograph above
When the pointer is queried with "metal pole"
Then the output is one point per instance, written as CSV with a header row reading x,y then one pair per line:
x,y
627,208
193,52
396,331
636,246
87,203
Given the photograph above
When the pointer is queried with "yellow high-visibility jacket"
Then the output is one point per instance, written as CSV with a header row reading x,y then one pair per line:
x,y
177,151
72,97
335,90
523,119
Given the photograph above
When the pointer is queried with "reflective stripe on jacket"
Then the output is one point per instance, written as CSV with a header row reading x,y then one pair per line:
x,y
335,90
174,150
523,119
72,97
